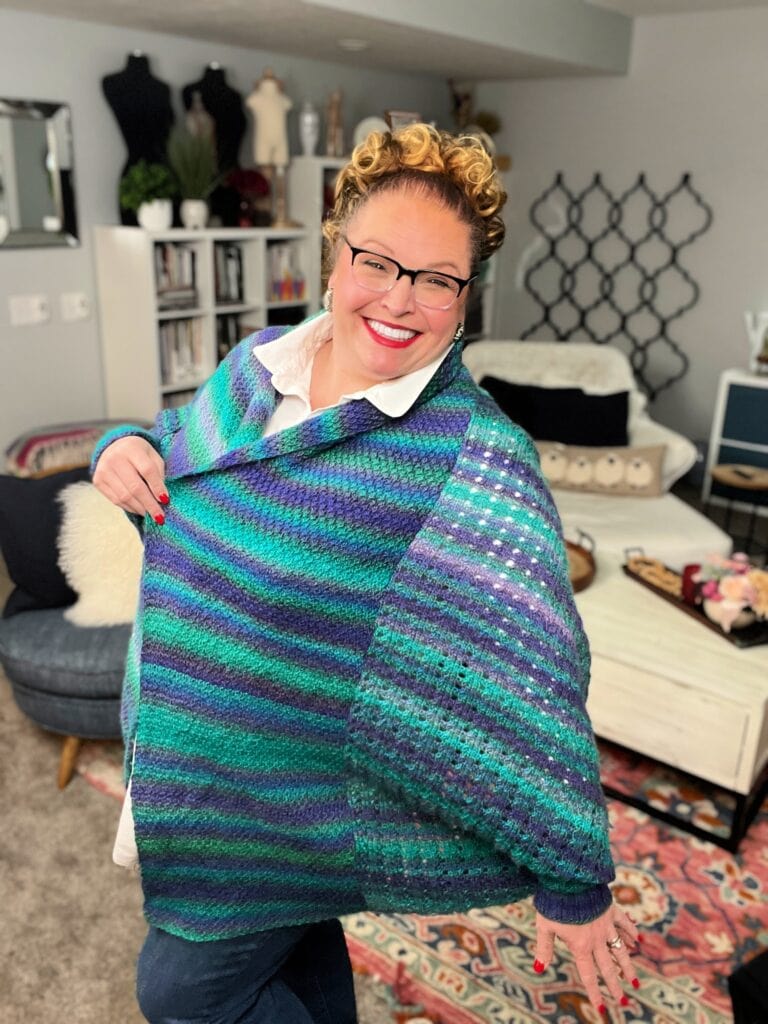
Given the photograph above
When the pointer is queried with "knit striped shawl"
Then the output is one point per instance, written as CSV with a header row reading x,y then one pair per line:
x,y
357,679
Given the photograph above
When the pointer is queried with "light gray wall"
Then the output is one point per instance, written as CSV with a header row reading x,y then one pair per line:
x,y
694,100
52,373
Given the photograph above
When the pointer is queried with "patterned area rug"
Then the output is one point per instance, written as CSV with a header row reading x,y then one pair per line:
x,y
702,912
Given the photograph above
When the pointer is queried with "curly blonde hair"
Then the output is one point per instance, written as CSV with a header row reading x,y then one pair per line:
x,y
456,170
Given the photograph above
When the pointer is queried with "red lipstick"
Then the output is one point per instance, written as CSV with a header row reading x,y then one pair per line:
x,y
390,342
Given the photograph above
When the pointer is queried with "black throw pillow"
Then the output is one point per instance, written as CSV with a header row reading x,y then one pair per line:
x,y
568,415
30,518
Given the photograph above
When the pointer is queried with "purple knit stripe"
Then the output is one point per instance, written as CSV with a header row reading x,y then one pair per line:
x,y
513,590
499,804
213,677
466,614
553,671
513,744
221,552
286,779
446,535
167,796
347,638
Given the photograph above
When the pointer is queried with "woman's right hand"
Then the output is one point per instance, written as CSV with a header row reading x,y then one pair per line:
x,y
132,475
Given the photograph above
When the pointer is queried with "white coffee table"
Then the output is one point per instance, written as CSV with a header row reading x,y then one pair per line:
x,y
666,686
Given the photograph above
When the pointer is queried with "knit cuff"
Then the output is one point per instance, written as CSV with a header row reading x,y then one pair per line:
x,y
574,907
124,430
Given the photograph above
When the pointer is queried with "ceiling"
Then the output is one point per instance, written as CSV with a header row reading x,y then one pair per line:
x,y
512,39
649,8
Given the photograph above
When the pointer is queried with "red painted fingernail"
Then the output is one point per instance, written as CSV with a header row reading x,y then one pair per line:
x,y
641,938
603,1010
538,966
624,1000
635,983
159,518
163,498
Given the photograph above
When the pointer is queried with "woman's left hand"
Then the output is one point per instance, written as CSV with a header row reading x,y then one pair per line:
x,y
595,951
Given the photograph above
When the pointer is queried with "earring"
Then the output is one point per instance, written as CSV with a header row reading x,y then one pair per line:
x,y
459,331
328,300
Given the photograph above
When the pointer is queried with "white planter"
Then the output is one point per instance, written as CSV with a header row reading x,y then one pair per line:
x,y
194,213
309,129
156,215
728,615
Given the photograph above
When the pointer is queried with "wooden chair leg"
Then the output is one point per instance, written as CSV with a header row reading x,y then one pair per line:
x,y
69,752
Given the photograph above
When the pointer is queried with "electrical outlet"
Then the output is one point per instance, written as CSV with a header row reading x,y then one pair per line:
x,y
28,309
74,306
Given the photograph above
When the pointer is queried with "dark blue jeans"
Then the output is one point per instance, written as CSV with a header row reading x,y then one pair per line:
x,y
299,975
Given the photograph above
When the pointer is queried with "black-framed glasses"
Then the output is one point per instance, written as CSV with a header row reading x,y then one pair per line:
x,y
431,288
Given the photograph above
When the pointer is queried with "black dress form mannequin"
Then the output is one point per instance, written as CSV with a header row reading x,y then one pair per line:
x,y
225,105
141,104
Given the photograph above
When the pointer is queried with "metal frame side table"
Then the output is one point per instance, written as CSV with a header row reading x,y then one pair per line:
x,y
749,480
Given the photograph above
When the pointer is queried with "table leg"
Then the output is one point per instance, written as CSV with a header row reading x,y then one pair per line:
x,y
69,752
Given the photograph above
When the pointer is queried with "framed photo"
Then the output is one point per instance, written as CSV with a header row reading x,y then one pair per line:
x,y
400,118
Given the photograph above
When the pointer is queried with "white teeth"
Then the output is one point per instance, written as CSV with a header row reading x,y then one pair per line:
x,y
392,332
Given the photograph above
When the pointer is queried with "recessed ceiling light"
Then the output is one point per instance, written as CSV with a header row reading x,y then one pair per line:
x,y
353,45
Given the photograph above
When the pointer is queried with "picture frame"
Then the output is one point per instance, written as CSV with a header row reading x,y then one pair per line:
x,y
400,118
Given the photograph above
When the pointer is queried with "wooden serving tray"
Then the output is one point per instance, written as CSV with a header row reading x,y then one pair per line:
x,y
581,566
749,636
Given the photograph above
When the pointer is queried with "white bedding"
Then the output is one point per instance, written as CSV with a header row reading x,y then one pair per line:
x,y
664,527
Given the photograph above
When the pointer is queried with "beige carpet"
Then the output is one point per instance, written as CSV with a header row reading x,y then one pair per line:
x,y
70,921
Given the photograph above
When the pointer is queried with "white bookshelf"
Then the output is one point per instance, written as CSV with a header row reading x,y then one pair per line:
x,y
158,345
310,193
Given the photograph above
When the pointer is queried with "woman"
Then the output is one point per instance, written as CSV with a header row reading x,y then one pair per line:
x,y
357,676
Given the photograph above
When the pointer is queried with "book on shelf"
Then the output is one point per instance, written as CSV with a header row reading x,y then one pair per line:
x,y
286,279
228,270
231,329
181,352
175,275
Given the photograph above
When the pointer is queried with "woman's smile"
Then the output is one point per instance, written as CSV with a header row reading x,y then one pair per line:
x,y
390,335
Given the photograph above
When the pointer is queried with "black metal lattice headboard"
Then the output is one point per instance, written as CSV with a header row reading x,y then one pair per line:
x,y
611,270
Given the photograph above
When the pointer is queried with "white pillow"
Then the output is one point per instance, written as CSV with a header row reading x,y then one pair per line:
x,y
100,554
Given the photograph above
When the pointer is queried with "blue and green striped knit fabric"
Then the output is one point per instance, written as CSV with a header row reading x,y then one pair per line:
x,y
357,677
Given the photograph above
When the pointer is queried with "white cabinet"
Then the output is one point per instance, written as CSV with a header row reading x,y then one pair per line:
x,y
311,180
739,434
173,303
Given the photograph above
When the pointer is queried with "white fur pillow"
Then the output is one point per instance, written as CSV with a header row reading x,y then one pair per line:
x,y
100,554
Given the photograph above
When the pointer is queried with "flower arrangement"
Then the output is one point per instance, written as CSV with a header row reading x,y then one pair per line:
x,y
731,591
254,191
248,182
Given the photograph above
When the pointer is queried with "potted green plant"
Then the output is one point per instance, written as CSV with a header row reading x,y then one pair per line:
x,y
193,161
147,189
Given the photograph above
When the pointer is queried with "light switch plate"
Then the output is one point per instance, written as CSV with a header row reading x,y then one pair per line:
x,y
74,306
28,309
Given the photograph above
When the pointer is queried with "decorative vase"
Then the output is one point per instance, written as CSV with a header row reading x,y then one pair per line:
x,y
727,614
156,215
194,213
309,129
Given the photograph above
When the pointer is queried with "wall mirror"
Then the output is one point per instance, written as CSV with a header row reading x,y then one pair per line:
x,y
37,190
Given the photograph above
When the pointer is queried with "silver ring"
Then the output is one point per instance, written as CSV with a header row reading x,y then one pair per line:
x,y
616,943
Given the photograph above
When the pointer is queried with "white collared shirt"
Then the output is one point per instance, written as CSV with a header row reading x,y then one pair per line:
x,y
289,359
